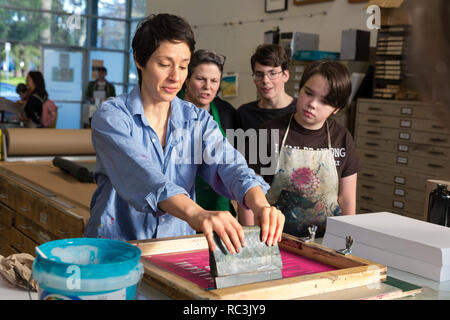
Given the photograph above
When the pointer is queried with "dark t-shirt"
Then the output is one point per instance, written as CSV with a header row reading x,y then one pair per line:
x,y
250,116
33,109
345,156
227,113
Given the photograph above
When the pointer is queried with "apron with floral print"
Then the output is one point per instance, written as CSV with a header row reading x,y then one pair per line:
x,y
305,187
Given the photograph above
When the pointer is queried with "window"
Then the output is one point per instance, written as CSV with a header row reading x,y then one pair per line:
x,y
68,31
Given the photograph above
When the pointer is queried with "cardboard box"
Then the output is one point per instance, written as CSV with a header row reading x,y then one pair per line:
x,y
393,12
396,241
431,185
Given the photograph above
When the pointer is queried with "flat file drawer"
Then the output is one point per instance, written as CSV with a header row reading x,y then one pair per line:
x,y
434,168
390,190
397,204
410,148
402,123
6,215
393,176
33,230
402,109
404,135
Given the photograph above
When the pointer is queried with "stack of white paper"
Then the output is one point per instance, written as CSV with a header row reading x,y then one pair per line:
x,y
403,243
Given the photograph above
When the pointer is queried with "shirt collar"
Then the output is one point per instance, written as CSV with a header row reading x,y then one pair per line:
x,y
180,112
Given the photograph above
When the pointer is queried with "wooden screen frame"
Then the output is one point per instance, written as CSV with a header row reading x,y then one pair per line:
x,y
352,272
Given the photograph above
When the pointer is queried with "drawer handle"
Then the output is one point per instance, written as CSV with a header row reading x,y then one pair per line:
x,y
368,187
372,144
436,153
435,126
368,155
373,121
366,198
24,209
438,140
25,227
373,132
369,175
436,166
375,109
3,196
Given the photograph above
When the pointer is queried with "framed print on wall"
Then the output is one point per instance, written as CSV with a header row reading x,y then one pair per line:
x,y
302,2
275,5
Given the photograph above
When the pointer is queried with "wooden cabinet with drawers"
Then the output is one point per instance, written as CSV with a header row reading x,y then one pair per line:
x,y
401,144
37,208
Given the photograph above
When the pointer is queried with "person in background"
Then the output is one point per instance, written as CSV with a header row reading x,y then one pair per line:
x,y
317,164
270,73
37,95
201,87
21,90
145,165
100,88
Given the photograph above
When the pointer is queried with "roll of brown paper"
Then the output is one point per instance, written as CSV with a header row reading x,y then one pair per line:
x,y
45,141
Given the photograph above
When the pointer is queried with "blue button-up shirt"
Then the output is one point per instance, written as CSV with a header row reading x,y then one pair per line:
x,y
134,172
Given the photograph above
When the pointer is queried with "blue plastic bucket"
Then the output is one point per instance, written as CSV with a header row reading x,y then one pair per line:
x,y
87,269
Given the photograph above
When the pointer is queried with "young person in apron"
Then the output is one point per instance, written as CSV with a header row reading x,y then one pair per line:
x,y
316,168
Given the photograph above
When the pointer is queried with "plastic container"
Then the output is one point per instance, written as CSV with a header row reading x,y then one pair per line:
x,y
87,269
310,55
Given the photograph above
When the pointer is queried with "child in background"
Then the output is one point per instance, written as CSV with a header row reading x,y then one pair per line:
x,y
316,173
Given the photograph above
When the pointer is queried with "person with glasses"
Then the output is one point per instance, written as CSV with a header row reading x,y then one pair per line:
x,y
270,73
315,171
201,87
150,145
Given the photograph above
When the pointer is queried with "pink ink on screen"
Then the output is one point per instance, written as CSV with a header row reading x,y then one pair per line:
x,y
194,266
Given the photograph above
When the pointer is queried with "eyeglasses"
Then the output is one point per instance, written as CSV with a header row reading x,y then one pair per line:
x,y
209,55
272,75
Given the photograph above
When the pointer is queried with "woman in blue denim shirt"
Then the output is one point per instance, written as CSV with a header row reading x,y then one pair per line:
x,y
150,146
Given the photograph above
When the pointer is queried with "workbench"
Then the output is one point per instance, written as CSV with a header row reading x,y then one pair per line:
x,y
432,290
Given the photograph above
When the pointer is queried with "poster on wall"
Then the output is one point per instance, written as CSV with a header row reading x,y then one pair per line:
x,y
229,86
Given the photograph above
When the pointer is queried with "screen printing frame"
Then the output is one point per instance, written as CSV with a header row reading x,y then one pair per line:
x,y
352,272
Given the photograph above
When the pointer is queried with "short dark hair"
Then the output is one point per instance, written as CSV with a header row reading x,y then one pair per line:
x,y
270,55
39,83
102,69
338,78
203,57
154,30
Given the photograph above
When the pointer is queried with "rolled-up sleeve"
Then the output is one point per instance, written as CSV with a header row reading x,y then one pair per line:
x,y
134,172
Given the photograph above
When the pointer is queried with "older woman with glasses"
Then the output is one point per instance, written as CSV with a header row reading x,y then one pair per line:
x,y
201,87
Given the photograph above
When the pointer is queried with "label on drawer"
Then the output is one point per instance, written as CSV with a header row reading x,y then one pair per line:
x,y
406,111
402,160
405,123
398,204
43,217
404,136
399,180
403,147
399,192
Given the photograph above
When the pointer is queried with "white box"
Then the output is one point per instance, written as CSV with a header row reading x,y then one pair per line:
x,y
396,241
